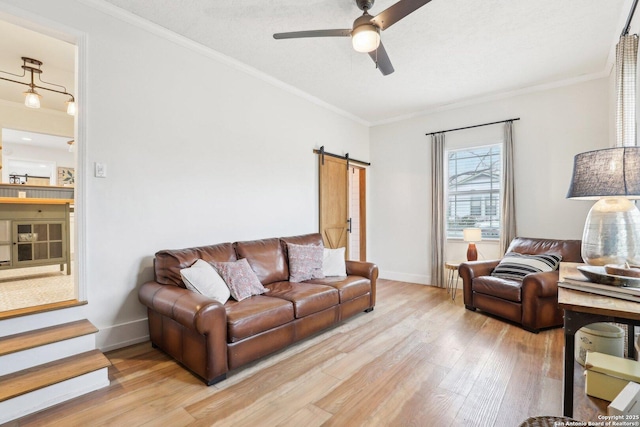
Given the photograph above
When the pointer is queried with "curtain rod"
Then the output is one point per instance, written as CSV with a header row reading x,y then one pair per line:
x,y
474,126
629,19
337,156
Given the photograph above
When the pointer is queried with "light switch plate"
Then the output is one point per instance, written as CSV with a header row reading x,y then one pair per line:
x,y
100,170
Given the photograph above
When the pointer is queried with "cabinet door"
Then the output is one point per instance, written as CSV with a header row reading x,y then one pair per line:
x,y
39,242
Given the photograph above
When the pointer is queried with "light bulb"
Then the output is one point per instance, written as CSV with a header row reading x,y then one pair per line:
x,y
32,98
71,107
365,38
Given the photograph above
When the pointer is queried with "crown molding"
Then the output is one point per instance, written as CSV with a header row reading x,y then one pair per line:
x,y
498,96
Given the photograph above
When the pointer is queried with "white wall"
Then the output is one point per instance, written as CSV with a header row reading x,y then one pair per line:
x,y
555,125
197,152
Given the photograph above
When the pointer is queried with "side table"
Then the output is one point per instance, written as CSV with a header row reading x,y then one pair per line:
x,y
452,270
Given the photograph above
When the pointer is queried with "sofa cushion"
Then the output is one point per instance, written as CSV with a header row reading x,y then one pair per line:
x,y
266,257
255,315
202,278
349,287
516,266
307,298
168,263
498,287
240,279
305,262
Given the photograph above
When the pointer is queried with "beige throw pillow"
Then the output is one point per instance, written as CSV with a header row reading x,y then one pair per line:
x,y
333,263
201,277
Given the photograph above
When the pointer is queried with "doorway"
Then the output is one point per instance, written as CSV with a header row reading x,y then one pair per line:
x,y
39,160
342,206
357,213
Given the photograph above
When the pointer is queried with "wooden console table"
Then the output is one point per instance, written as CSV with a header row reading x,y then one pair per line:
x,y
581,309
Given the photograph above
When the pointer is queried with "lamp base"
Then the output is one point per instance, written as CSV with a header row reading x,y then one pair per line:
x,y
612,233
472,252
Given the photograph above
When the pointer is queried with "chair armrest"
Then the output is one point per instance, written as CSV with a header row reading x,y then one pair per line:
x,y
470,270
192,310
540,285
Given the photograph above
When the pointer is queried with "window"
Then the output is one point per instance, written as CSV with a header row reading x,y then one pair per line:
x,y
474,179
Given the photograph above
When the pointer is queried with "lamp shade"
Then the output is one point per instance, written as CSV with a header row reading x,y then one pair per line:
x,y
612,229
71,107
472,234
32,98
612,172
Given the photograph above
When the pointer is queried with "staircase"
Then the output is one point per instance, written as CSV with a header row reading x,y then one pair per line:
x,y
43,367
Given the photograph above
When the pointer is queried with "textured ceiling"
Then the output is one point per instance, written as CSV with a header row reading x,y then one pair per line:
x,y
447,51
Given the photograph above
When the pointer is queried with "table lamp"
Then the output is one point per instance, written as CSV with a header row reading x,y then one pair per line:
x,y
612,229
472,235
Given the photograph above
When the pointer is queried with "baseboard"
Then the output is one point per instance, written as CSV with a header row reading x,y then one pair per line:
x,y
122,335
404,277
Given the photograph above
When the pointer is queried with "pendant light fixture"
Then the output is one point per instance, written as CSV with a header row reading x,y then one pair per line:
x,y
32,97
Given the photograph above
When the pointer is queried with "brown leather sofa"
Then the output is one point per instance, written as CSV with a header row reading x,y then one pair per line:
x,y
532,302
210,338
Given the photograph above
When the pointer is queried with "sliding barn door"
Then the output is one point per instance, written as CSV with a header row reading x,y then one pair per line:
x,y
334,202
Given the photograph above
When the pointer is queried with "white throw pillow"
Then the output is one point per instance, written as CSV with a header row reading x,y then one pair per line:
x,y
333,262
201,277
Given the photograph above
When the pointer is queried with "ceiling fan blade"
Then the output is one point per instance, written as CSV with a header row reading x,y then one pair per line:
x,y
313,33
396,12
382,60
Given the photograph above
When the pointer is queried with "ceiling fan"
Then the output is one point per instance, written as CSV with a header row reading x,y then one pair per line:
x,y
365,34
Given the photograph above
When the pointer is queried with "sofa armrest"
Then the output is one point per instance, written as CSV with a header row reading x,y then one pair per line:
x,y
362,268
192,310
365,269
540,285
470,270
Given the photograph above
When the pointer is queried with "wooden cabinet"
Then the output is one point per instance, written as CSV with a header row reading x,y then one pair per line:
x,y
34,232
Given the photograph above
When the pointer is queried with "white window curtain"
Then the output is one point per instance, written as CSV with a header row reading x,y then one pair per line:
x,y
437,210
626,65
508,232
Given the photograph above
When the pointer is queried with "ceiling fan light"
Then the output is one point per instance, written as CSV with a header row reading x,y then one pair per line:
x,y
32,98
365,38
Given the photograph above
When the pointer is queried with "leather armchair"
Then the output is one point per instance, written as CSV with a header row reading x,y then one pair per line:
x,y
532,302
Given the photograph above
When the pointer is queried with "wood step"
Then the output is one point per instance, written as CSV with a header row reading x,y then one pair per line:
x,y
28,311
35,378
32,339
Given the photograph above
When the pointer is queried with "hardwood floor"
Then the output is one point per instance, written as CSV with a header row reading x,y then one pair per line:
x,y
418,359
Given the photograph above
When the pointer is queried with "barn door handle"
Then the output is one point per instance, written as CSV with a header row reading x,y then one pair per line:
x,y
349,221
